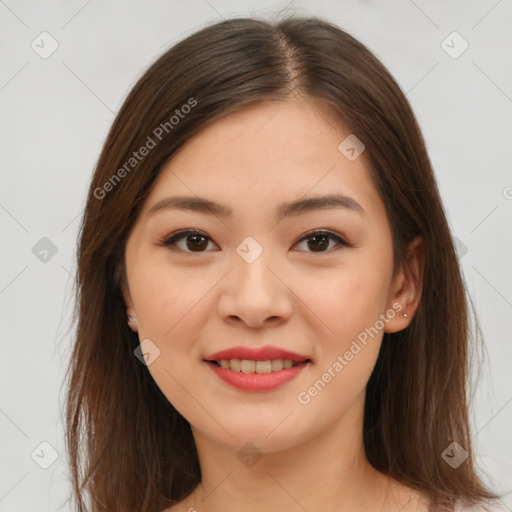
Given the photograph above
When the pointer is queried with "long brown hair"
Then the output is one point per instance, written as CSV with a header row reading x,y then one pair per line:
x,y
129,448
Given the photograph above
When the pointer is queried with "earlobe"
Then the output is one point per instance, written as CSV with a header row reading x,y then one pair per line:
x,y
130,311
132,324
407,286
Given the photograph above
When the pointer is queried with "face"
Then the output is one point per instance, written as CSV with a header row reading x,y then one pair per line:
x,y
313,280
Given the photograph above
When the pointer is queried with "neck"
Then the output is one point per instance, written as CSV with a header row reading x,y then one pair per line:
x,y
327,472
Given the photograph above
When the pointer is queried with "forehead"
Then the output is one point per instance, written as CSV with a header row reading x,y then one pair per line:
x,y
269,153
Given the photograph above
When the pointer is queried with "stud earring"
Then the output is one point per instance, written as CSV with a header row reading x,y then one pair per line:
x,y
406,315
131,319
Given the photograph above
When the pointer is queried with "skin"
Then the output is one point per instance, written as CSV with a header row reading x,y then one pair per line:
x,y
192,304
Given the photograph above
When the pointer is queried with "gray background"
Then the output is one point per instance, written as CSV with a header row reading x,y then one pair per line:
x,y
55,113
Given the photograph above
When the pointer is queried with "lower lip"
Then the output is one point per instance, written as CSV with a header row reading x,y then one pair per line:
x,y
257,381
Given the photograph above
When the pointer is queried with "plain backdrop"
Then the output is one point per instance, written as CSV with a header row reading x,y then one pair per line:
x,y
56,110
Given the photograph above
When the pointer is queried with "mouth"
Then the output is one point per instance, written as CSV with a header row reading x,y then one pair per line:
x,y
257,366
253,372
256,369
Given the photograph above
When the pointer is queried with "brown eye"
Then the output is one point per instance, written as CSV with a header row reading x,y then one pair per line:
x,y
319,241
194,241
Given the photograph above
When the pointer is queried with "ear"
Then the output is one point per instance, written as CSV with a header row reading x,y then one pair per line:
x,y
407,286
130,310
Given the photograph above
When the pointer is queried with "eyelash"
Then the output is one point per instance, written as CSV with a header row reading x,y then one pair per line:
x,y
171,240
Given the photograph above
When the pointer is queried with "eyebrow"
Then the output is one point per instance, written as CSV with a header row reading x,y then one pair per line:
x,y
298,207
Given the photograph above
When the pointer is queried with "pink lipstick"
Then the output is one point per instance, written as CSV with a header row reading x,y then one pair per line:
x,y
256,369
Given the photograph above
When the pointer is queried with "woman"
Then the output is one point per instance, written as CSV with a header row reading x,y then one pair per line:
x,y
271,314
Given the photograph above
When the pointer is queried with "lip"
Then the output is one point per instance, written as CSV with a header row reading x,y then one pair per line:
x,y
256,354
257,382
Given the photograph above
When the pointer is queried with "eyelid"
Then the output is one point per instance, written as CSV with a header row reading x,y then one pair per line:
x,y
325,231
170,240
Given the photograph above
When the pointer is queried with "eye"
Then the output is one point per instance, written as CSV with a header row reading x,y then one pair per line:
x,y
195,241
320,241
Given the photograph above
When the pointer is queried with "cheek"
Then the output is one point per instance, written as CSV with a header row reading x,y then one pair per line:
x,y
171,307
165,298
349,299
350,305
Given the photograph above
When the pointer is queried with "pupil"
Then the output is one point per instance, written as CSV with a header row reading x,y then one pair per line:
x,y
193,247
321,245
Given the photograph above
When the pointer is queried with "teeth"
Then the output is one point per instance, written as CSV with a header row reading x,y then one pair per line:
x,y
263,366
277,364
249,366
234,364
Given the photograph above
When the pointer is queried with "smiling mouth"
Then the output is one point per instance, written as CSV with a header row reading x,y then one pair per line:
x,y
252,366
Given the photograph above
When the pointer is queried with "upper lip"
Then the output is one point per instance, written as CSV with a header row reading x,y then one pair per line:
x,y
256,354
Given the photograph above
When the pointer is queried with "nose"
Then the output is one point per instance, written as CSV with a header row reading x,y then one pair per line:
x,y
255,294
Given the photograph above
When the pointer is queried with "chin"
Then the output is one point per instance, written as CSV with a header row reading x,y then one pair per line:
x,y
266,435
